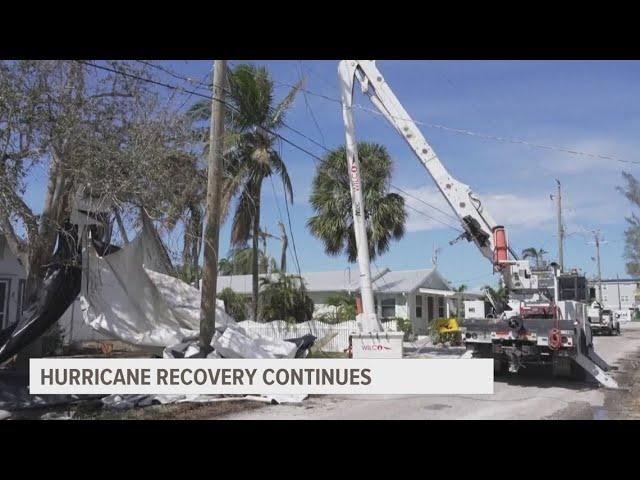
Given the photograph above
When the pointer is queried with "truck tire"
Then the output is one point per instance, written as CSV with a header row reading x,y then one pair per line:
x,y
577,372
562,367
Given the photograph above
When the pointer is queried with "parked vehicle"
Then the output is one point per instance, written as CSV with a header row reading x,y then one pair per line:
x,y
603,321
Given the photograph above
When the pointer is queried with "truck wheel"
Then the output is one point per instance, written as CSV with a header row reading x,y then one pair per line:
x,y
562,367
577,372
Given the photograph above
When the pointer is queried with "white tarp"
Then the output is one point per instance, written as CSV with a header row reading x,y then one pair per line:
x,y
235,342
125,296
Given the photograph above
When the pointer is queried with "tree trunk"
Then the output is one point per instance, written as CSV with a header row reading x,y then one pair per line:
x,y
285,243
41,247
255,268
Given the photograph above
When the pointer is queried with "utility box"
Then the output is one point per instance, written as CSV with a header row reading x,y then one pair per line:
x,y
377,345
475,309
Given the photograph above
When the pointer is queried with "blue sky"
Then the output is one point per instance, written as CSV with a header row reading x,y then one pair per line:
x,y
581,105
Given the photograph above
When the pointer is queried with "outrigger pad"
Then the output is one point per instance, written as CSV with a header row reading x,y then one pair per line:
x,y
597,359
594,370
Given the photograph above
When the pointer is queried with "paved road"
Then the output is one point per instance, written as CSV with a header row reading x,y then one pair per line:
x,y
523,396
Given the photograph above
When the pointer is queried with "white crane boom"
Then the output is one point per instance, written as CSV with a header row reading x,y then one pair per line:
x,y
477,223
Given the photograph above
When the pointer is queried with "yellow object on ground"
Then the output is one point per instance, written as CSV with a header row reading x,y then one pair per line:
x,y
446,325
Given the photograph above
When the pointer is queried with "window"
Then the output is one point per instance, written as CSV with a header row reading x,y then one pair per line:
x,y
4,301
441,309
21,294
419,306
388,307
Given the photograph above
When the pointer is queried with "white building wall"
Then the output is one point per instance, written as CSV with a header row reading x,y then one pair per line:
x,y
618,295
11,272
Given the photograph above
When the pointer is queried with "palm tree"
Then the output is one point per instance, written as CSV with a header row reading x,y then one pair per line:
x,y
385,215
252,153
531,252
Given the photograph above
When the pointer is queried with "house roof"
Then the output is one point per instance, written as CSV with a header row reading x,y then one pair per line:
x,y
616,280
336,280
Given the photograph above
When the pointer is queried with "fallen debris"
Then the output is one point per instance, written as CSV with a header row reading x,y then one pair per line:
x,y
125,402
57,416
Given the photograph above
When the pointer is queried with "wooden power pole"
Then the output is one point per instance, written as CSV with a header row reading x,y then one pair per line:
x,y
596,235
212,229
560,230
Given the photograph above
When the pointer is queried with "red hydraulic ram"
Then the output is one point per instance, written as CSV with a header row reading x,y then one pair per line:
x,y
501,250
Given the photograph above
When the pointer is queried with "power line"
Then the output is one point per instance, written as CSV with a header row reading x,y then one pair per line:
x,y
293,239
308,105
471,133
425,202
461,131
281,137
391,184
433,218
173,87
195,83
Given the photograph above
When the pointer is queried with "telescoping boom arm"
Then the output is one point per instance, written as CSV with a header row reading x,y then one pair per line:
x,y
479,227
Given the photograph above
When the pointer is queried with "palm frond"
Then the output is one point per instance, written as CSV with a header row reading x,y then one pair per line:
x,y
278,113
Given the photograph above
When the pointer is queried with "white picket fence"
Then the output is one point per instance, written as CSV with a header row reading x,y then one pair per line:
x,y
282,330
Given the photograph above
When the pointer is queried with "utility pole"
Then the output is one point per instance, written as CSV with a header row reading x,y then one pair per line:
x,y
212,229
560,229
596,235
434,256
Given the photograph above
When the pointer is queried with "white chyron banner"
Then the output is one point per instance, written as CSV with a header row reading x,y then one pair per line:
x,y
261,376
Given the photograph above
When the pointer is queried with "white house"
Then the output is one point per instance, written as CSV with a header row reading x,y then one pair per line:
x,y
418,295
12,283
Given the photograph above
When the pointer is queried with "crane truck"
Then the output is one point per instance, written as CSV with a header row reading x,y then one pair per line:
x,y
544,320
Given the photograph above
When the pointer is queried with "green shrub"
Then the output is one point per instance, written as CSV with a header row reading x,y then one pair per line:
x,y
405,326
284,297
235,304
344,307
